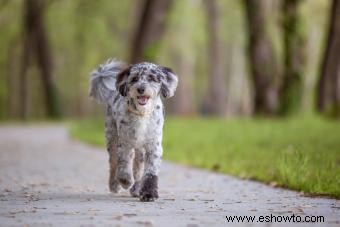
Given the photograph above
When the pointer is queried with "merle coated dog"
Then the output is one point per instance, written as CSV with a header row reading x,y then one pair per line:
x,y
134,122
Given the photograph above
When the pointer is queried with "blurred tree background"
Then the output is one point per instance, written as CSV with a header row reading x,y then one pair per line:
x,y
233,58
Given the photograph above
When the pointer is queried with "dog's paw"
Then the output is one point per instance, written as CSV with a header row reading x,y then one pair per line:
x,y
114,186
148,196
125,179
134,190
149,190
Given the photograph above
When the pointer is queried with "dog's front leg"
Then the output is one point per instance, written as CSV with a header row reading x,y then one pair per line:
x,y
153,159
124,165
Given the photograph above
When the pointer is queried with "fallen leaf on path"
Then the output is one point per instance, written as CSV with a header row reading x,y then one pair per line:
x,y
207,200
67,213
93,209
129,215
233,202
146,223
282,212
118,217
17,212
192,225
42,208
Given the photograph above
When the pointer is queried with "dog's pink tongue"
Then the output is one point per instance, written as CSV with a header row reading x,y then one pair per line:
x,y
142,100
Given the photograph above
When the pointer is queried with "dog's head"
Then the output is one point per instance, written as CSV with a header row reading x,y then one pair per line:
x,y
144,82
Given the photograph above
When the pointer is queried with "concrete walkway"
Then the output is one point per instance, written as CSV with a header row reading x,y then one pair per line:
x,y
47,179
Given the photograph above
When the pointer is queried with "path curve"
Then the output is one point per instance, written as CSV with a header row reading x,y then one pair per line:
x,y
47,179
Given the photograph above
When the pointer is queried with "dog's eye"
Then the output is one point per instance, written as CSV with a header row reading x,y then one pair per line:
x,y
134,79
152,78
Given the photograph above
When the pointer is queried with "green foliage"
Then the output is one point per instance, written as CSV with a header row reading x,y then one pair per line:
x,y
291,95
10,19
152,51
54,104
294,43
90,131
302,154
83,33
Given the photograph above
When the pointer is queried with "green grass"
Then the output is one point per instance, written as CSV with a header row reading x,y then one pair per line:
x,y
302,154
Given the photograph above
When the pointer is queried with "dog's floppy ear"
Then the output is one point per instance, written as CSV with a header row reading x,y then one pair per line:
x,y
169,82
121,83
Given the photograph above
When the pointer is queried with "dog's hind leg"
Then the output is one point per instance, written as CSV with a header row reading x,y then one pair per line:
x,y
113,182
111,144
138,169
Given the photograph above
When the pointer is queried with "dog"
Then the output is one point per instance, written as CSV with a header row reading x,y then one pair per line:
x,y
134,122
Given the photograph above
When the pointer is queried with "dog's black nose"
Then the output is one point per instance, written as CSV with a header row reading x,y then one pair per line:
x,y
141,90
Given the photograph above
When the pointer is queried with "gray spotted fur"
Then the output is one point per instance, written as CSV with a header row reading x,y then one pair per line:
x,y
133,132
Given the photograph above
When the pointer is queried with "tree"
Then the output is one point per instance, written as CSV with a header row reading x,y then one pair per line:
x,y
262,58
216,98
181,55
328,90
36,42
149,30
183,102
12,78
294,59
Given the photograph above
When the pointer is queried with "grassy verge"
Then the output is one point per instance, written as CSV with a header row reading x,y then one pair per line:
x,y
302,154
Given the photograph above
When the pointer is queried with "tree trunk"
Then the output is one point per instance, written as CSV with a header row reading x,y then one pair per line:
x,y
44,59
328,99
262,59
294,58
36,42
182,60
182,103
150,29
216,102
12,80
25,59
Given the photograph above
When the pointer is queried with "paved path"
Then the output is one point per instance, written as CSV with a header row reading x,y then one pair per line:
x,y
48,179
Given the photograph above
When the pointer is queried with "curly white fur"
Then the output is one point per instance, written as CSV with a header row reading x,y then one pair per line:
x,y
134,122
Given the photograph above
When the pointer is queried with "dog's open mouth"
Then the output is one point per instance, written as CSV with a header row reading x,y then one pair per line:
x,y
142,100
